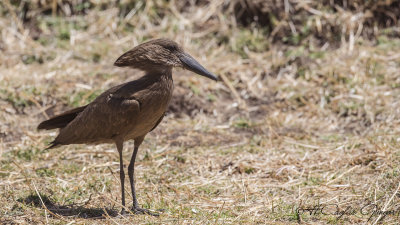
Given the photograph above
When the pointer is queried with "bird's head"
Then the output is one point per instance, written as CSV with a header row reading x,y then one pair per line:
x,y
159,54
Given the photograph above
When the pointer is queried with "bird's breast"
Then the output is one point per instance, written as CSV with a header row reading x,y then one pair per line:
x,y
153,104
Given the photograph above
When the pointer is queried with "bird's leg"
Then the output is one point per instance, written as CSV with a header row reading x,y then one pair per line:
x,y
131,170
120,145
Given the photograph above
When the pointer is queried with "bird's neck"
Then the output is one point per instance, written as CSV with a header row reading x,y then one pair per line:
x,y
160,81
163,74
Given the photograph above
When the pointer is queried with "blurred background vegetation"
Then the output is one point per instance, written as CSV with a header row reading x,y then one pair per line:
x,y
250,24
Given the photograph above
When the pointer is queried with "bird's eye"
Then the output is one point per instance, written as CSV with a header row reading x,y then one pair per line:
x,y
171,47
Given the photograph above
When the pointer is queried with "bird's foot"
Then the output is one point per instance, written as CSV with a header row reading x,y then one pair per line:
x,y
137,210
122,214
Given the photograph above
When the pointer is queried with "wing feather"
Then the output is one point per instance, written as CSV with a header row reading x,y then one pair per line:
x,y
101,120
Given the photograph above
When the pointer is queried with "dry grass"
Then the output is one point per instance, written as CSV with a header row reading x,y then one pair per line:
x,y
292,125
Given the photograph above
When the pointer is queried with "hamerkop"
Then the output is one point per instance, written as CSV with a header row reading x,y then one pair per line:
x,y
130,110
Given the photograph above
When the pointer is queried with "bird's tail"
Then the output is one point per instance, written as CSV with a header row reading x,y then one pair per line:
x,y
53,144
61,120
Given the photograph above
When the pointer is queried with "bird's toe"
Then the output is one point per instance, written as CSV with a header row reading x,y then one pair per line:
x,y
138,210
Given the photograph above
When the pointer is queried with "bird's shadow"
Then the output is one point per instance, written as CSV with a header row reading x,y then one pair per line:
x,y
68,210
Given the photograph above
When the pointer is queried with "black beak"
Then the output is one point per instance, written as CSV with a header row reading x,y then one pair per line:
x,y
191,64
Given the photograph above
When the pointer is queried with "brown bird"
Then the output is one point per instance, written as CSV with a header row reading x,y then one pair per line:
x,y
130,110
